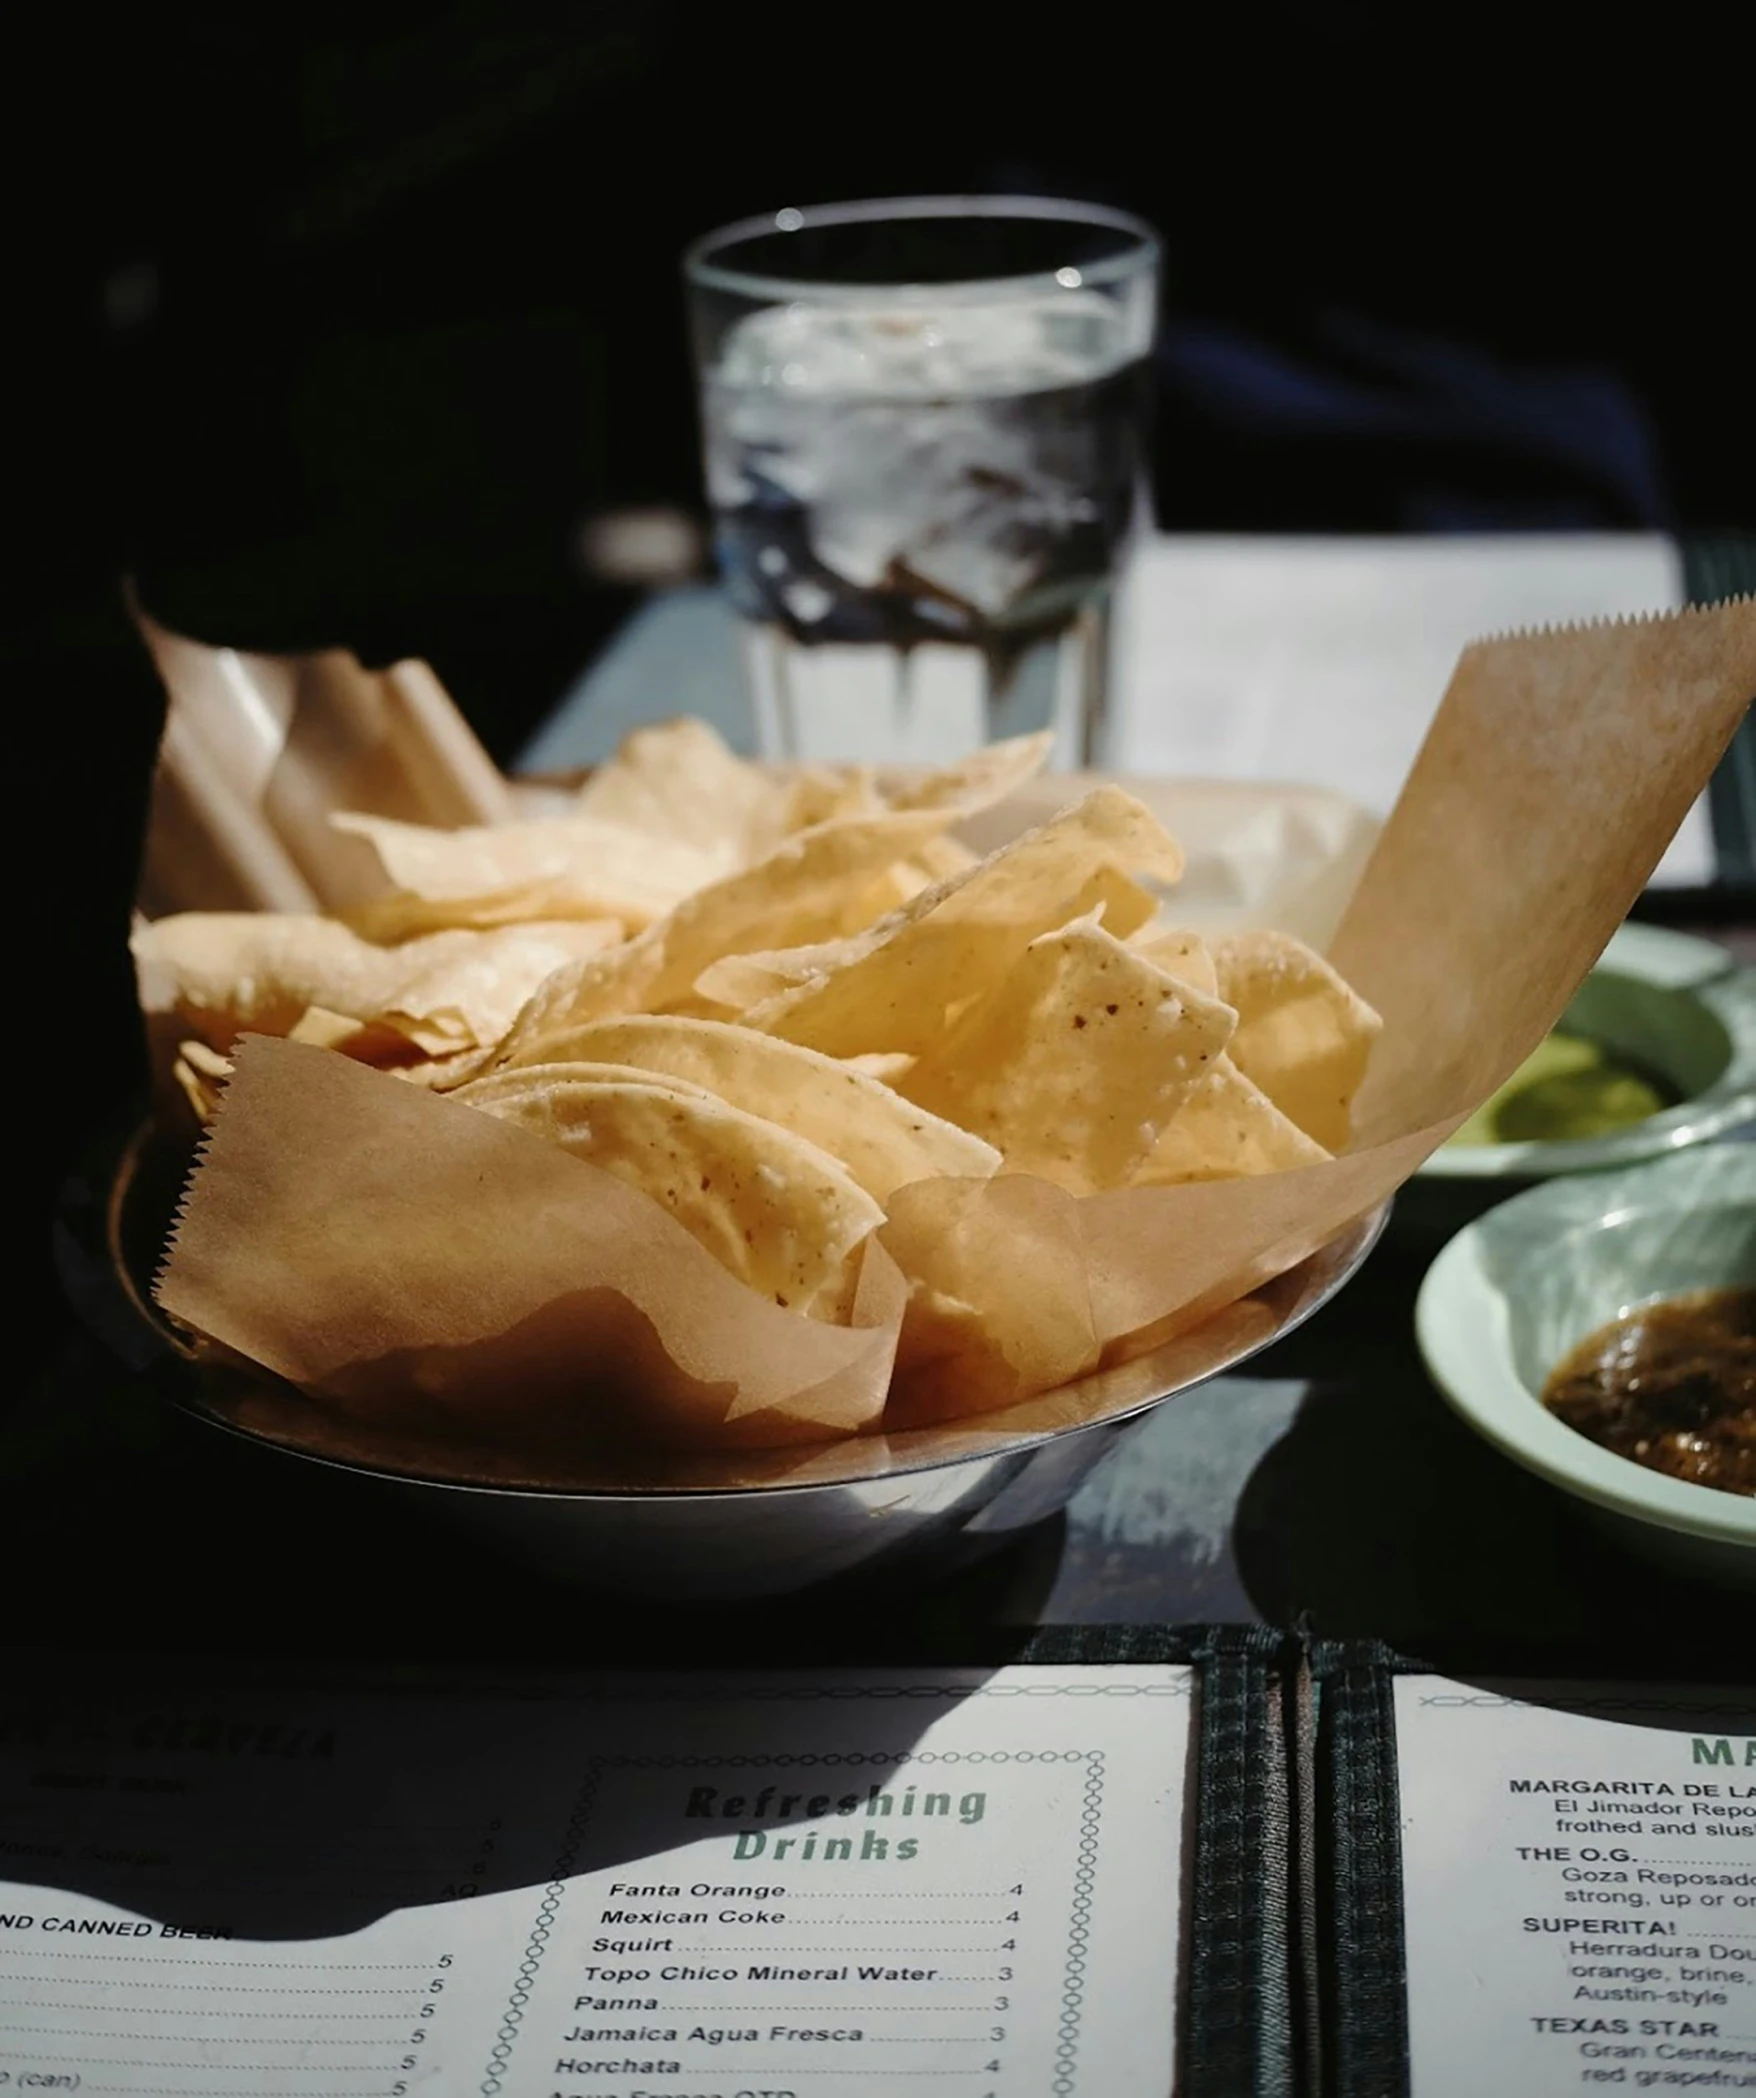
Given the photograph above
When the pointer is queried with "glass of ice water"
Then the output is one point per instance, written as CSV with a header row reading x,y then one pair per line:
x,y
925,427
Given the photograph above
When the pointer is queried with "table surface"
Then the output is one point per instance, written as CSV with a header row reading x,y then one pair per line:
x,y
1315,660
1326,1483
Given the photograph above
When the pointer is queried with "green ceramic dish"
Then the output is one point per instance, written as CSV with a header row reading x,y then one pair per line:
x,y
1675,1006
1509,1296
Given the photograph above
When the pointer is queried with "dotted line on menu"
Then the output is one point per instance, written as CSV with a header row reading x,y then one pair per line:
x,y
116,2061
379,2017
159,2090
860,1951
218,1988
1078,1935
493,2080
899,2010
174,1959
78,2032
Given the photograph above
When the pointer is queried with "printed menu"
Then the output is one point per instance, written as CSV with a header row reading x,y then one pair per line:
x,y
1579,1873
705,1887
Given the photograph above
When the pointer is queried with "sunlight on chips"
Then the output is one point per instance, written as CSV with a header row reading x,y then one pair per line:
x,y
777,1212
1073,1062
892,987
569,867
883,1140
526,1087
802,889
678,780
231,970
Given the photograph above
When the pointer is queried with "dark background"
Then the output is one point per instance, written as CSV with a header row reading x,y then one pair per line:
x,y
337,325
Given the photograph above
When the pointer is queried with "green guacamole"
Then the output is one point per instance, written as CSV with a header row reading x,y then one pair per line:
x,y
1566,1089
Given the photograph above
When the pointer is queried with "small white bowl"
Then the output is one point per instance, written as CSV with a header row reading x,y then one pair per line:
x,y
1679,1007
1517,1289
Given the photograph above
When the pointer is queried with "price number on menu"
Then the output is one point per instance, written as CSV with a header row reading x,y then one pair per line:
x,y
996,2033
432,1989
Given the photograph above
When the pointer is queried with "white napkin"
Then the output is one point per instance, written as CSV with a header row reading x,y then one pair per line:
x,y
1322,661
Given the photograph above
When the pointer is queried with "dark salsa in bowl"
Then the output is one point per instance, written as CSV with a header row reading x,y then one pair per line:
x,y
1670,1385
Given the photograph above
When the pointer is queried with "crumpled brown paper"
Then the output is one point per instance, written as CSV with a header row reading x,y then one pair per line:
x,y
422,1272
258,750
444,1260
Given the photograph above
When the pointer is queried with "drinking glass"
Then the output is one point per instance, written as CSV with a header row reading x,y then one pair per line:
x,y
925,424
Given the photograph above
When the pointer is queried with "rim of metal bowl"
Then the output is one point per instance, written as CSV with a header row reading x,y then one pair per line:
x,y
113,1298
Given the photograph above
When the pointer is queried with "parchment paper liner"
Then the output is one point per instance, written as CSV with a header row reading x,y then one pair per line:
x,y
258,750
1555,774
244,1396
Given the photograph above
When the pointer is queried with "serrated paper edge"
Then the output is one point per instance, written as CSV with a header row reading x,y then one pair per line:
x,y
185,1195
1608,622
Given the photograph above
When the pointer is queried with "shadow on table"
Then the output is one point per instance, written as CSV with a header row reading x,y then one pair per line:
x,y
1380,1515
188,1581
239,1808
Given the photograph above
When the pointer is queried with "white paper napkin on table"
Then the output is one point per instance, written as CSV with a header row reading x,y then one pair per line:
x,y
1322,661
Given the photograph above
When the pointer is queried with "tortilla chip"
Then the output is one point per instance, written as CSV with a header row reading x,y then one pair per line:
x,y
985,777
882,1139
832,794
894,986
940,858
1226,1128
882,1065
395,919
980,1332
201,1074
1183,954
208,1061
1304,1034
1073,1063
738,982
526,1086
679,780
572,867
263,971
776,1212
799,892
